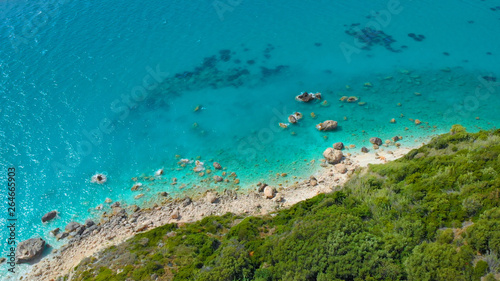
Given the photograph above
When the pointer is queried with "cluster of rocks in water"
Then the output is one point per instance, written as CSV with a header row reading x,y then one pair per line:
x,y
370,37
215,72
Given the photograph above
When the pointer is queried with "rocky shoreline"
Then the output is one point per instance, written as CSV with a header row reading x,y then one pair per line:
x,y
124,221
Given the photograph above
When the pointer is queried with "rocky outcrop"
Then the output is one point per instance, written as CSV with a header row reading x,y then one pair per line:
x,y
304,97
70,227
328,125
49,216
89,223
29,249
377,141
333,156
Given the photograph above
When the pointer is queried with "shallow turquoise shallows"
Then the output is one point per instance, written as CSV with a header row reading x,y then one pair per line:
x,y
127,88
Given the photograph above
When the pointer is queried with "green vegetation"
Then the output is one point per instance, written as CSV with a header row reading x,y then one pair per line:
x,y
432,215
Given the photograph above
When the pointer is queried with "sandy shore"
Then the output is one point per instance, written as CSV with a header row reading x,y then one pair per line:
x,y
126,221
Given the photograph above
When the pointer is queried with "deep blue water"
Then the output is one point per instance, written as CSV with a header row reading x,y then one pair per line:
x,y
73,97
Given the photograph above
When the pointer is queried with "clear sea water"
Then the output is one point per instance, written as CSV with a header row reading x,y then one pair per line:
x,y
73,99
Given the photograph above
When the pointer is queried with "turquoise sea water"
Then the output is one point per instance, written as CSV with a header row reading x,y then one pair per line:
x,y
111,87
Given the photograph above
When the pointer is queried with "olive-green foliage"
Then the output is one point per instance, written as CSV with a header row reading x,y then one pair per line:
x,y
436,261
484,235
397,221
480,269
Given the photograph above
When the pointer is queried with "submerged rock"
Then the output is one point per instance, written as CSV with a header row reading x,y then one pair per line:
x,y
217,166
218,179
29,249
333,156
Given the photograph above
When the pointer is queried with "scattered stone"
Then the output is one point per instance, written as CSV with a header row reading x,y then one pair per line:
x,y
212,197
186,201
99,207
341,168
375,147
377,141
395,139
143,226
313,182
139,196
108,200
218,179
338,146
333,156
269,192
2,260
278,198
176,215
364,149
164,194
217,166
283,174
115,205
328,125
136,186
29,249
236,181
134,208
393,120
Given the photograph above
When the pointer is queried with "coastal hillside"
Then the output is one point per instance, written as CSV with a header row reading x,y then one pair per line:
x,y
431,215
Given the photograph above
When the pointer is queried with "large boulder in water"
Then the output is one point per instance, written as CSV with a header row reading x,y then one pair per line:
x,y
376,141
49,216
338,146
29,249
333,156
328,125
